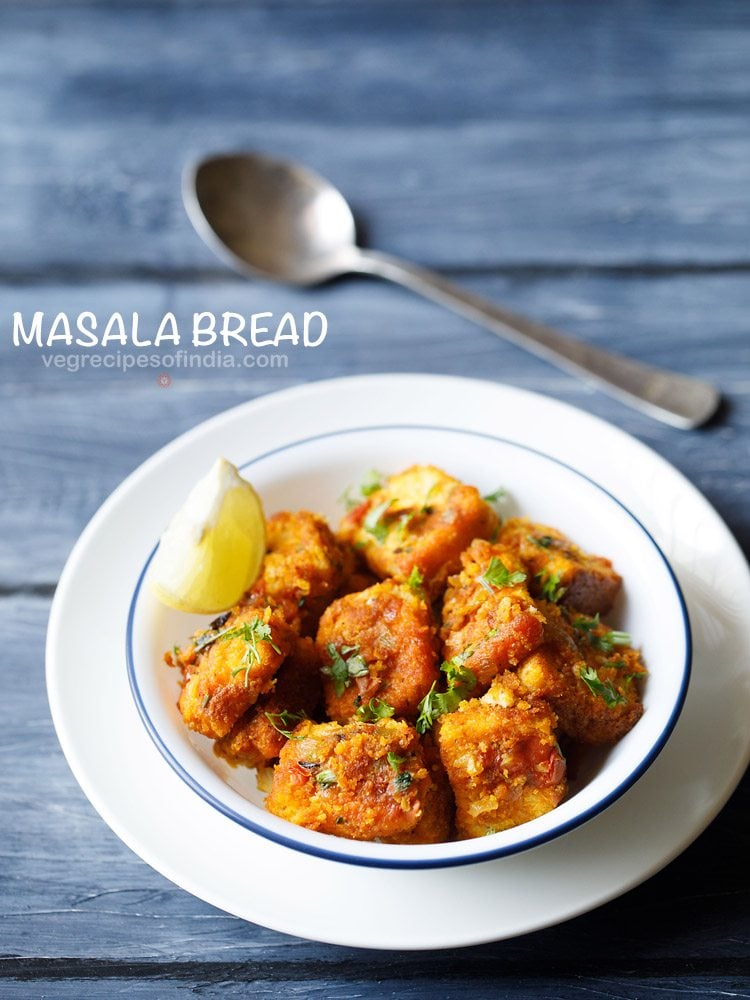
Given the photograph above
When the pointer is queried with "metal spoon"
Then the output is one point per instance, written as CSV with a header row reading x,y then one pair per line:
x,y
275,219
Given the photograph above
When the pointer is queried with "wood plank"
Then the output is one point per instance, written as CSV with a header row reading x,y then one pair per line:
x,y
467,135
73,437
71,889
236,982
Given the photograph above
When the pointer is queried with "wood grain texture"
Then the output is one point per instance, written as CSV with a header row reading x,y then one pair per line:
x,y
467,134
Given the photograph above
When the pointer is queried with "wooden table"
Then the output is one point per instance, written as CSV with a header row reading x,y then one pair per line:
x,y
586,163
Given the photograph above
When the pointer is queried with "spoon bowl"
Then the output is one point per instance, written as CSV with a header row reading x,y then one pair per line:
x,y
271,219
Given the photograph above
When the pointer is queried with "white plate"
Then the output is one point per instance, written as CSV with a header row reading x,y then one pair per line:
x,y
151,809
312,473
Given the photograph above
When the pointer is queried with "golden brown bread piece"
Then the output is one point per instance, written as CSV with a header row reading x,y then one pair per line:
x,y
227,669
420,520
490,625
363,781
502,759
257,737
387,636
586,582
590,680
303,568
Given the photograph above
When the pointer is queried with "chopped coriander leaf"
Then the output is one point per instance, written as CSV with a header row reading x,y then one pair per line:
x,y
347,500
371,483
543,541
394,760
287,719
607,641
374,524
251,633
428,711
497,574
344,665
326,778
586,624
630,676
375,709
551,589
499,494
458,675
416,580
176,652
601,689
402,781
204,703
435,703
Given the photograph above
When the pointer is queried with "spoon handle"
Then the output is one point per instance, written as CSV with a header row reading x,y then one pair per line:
x,y
675,399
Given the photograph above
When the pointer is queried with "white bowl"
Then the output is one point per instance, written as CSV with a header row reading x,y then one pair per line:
x,y
312,473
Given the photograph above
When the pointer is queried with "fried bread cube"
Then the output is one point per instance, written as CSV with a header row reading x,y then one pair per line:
x,y
589,673
378,643
227,668
258,736
585,582
362,781
417,525
303,568
490,622
502,760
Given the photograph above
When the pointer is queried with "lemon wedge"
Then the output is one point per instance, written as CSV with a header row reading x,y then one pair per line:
x,y
213,547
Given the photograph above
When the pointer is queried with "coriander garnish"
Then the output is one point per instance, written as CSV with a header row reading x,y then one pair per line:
x,y
345,664
285,718
497,574
605,642
394,760
371,483
499,494
602,689
402,781
461,681
416,580
550,586
374,524
251,633
543,541
375,709
326,778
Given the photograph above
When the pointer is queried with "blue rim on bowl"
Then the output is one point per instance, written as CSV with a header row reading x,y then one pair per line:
x,y
490,852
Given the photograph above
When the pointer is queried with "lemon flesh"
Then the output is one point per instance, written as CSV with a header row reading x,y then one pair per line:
x,y
213,548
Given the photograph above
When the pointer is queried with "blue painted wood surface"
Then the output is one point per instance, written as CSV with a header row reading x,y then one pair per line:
x,y
588,164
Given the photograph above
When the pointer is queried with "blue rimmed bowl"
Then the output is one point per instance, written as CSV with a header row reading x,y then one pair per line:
x,y
311,473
